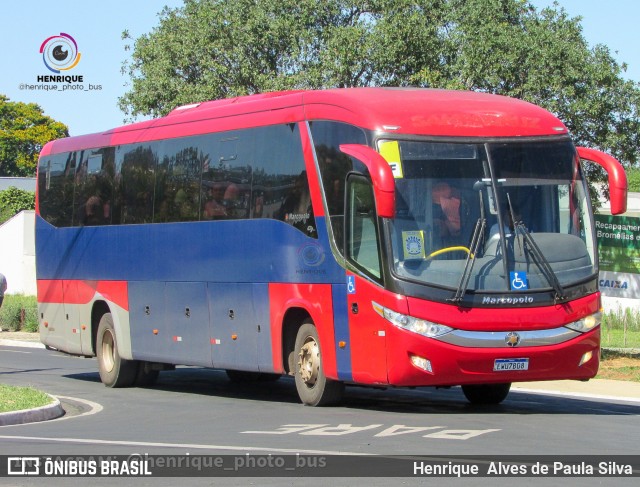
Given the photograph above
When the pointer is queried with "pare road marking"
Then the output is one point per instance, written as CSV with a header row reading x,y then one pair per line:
x,y
394,430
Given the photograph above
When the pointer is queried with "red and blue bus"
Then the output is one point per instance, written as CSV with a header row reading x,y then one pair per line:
x,y
371,236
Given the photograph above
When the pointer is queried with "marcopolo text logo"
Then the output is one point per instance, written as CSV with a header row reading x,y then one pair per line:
x,y
60,53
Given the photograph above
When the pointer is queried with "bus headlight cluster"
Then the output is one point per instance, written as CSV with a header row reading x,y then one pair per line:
x,y
587,323
422,327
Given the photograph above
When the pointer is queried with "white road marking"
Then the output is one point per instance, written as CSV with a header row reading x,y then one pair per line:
x,y
193,446
95,408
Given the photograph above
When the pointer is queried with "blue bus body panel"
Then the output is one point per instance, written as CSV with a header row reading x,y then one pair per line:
x,y
341,327
199,291
258,250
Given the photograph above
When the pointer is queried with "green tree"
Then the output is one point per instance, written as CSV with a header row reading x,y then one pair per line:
x,y
633,175
211,49
24,130
13,200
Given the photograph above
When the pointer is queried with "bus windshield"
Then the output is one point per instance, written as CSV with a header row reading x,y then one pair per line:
x,y
495,217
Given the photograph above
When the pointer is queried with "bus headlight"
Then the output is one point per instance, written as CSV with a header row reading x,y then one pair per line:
x,y
587,323
422,327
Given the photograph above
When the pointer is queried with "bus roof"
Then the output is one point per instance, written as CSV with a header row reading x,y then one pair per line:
x,y
417,111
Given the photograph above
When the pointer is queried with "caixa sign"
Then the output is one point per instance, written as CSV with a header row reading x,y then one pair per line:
x,y
613,284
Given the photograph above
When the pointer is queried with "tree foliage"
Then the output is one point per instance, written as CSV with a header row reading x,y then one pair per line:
x,y
13,200
633,176
210,49
24,130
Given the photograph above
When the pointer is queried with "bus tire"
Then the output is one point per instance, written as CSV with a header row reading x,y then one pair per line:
x,y
314,389
114,370
486,393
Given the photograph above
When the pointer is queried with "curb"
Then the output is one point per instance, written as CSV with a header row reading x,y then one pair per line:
x,y
573,394
18,343
43,413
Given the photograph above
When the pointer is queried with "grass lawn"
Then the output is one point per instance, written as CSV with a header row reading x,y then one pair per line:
x,y
16,398
616,338
618,366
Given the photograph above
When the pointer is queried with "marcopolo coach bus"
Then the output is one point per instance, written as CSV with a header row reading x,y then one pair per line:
x,y
384,237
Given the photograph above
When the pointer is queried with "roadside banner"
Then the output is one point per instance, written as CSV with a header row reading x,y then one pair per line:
x,y
619,251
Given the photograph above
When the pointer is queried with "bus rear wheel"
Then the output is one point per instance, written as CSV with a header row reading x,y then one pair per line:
x,y
486,393
114,370
314,389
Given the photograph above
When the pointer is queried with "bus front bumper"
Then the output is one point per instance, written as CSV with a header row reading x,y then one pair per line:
x,y
414,360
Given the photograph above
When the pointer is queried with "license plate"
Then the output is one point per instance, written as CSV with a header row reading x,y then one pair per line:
x,y
509,364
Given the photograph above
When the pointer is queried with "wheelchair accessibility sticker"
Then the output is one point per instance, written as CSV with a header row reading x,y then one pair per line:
x,y
518,281
351,284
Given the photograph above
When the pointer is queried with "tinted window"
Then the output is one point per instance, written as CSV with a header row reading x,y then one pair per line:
x,y
280,184
178,178
334,167
362,233
93,194
55,188
253,173
227,175
135,184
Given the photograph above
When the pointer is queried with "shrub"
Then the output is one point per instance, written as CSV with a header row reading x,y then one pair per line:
x,y
633,178
14,200
19,313
621,329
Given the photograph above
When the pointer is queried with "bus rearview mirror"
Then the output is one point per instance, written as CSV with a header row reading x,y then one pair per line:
x,y
381,176
617,178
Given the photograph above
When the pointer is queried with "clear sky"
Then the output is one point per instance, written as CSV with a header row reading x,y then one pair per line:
x,y
97,29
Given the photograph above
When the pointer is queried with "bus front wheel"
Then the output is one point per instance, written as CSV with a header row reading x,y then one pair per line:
x,y
114,370
486,393
312,385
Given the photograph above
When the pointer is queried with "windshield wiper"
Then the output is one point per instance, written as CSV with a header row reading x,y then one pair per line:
x,y
541,261
478,232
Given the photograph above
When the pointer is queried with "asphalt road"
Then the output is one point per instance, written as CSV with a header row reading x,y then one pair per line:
x,y
200,412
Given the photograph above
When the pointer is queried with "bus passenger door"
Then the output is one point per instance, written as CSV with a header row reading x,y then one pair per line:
x,y
367,330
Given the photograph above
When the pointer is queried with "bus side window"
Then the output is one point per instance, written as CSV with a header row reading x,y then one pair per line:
x,y
94,188
55,189
280,184
227,175
334,167
177,183
137,166
361,226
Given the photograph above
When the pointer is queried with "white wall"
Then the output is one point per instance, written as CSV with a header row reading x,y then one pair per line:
x,y
633,206
17,253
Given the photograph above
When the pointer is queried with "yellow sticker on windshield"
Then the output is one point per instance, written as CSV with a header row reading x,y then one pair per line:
x,y
413,244
390,150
